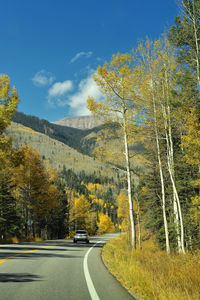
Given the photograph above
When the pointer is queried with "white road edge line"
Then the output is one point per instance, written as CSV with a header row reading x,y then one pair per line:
x,y
90,285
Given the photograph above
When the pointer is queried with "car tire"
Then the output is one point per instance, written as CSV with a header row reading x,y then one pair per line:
x,y
75,241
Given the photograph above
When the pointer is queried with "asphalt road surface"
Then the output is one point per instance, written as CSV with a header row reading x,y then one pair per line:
x,y
57,270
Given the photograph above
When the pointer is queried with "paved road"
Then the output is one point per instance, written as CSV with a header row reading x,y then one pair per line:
x,y
57,270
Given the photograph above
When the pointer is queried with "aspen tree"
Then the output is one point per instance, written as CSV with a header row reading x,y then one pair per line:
x,y
116,80
8,106
105,224
147,89
159,62
169,66
33,188
185,35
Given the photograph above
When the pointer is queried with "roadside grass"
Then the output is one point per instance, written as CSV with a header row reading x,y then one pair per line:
x,y
152,273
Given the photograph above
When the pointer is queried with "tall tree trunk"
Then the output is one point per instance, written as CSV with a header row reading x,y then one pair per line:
x,y
170,162
126,152
159,158
161,178
177,202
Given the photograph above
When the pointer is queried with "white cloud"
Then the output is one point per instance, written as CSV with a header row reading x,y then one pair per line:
x,y
60,88
43,78
60,95
78,101
82,53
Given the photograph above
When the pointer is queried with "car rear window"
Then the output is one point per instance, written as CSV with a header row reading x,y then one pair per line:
x,y
81,231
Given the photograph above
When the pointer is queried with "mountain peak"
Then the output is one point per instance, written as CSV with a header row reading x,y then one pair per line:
x,y
82,122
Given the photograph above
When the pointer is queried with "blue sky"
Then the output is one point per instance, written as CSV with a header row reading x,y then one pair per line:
x,y
51,48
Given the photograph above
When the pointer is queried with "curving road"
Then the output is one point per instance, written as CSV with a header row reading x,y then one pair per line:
x,y
57,270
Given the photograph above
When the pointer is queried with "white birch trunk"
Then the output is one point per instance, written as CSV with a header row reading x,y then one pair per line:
x,y
177,223
170,163
179,211
160,168
133,244
161,179
180,245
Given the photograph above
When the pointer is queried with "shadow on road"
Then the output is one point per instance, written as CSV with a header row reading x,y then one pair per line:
x,y
18,277
31,248
34,250
33,255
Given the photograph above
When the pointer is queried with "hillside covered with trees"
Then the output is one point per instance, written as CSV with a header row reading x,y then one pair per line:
x,y
56,153
73,137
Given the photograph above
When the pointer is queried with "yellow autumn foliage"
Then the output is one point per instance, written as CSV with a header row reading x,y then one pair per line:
x,y
33,183
81,207
8,101
8,106
122,211
105,224
94,187
191,141
122,203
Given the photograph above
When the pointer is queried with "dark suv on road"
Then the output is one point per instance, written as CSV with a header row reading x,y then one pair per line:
x,y
81,236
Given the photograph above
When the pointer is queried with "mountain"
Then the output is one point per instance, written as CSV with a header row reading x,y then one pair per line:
x,y
72,137
82,122
56,153
81,141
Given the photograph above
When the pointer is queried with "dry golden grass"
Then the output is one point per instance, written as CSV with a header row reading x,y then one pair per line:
x,y
153,274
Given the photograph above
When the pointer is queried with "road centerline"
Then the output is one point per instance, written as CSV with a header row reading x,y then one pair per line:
x,y
90,285
2,260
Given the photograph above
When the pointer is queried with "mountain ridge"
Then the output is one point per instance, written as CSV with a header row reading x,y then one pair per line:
x,y
80,122
73,137
86,141
56,153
